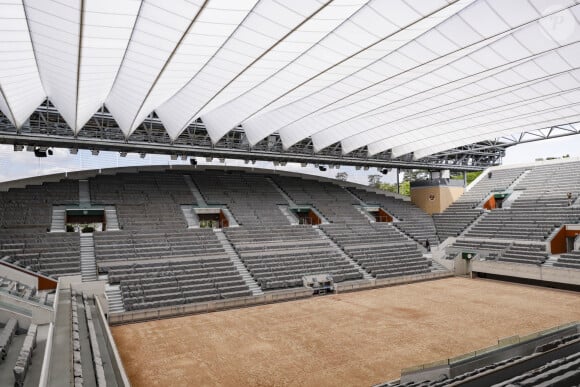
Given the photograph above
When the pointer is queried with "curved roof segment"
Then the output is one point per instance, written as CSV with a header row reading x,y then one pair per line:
x,y
409,76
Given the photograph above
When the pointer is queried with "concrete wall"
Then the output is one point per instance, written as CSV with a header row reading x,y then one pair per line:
x,y
36,313
207,307
443,196
17,275
379,283
540,273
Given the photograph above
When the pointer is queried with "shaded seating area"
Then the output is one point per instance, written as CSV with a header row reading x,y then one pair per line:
x,y
251,198
53,254
30,208
331,200
144,200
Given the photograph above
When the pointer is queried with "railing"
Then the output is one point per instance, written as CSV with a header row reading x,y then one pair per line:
x,y
501,343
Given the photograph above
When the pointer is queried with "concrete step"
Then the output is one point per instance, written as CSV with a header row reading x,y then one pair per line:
x,y
111,217
88,262
195,191
114,298
190,216
57,223
238,264
84,193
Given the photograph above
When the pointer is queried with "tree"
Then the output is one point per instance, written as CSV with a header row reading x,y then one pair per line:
x,y
375,180
470,176
404,188
342,176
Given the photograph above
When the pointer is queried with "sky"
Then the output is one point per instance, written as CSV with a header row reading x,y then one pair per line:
x,y
18,165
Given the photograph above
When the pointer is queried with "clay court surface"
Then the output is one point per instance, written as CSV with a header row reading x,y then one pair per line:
x,y
350,339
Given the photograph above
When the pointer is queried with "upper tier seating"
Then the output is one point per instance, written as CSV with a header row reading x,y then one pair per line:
x,y
279,257
412,220
569,260
532,224
54,254
31,207
252,199
459,215
145,200
331,200
547,186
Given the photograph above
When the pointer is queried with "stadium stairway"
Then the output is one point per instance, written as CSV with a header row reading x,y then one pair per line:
x,y
114,298
324,236
111,217
57,223
195,191
238,264
84,193
288,214
364,213
281,191
190,217
88,263
361,202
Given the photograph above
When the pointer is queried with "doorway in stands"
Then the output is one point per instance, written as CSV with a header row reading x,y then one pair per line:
x,y
306,215
85,220
212,218
380,215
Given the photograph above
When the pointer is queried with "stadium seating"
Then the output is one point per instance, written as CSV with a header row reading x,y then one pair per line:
x,y
144,201
54,254
460,214
569,260
252,199
30,208
411,219
123,246
168,283
278,257
379,248
526,370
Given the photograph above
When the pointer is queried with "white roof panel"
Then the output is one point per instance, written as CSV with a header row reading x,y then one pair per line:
x,y
410,76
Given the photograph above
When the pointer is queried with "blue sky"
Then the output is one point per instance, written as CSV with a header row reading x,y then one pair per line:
x,y
17,165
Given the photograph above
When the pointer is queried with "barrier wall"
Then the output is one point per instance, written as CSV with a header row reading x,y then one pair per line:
x,y
505,348
207,307
384,282
116,362
528,271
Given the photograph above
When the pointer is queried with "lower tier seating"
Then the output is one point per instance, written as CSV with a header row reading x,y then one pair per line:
x,y
570,260
168,283
285,268
379,249
278,257
391,260
54,254
525,253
